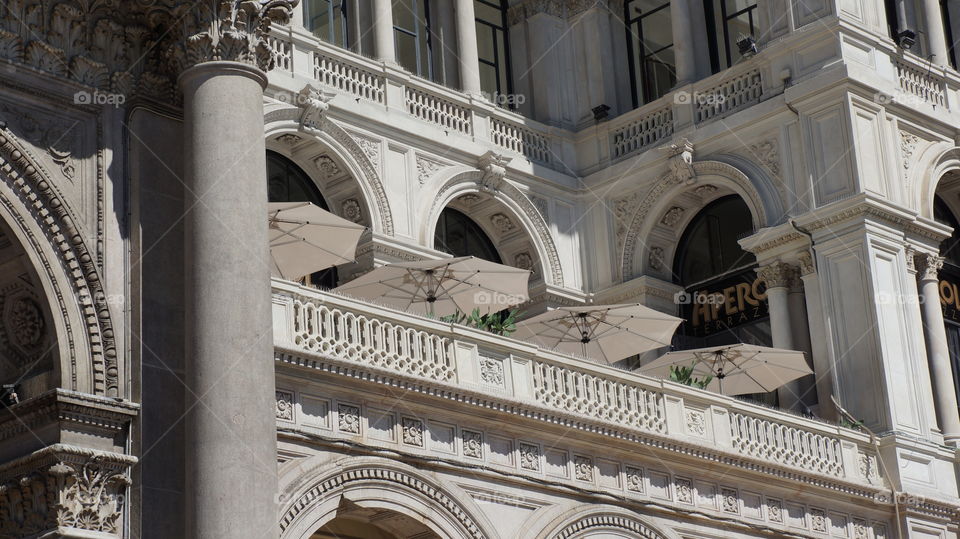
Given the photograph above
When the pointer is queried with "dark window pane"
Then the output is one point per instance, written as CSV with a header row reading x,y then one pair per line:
x,y
406,51
485,42
405,15
459,235
286,182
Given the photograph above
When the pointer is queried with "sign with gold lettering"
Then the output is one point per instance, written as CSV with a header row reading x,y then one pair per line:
x,y
726,304
949,298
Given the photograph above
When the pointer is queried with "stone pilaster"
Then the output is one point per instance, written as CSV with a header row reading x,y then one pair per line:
x,y
927,267
230,432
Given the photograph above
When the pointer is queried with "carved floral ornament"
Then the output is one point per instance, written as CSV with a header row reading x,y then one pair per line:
x,y
66,488
137,47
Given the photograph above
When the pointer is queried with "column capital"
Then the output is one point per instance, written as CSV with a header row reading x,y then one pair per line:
x,y
927,265
228,31
807,265
779,275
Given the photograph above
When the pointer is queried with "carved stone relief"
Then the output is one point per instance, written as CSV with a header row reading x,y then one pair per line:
x,y
412,431
426,168
285,405
350,209
348,418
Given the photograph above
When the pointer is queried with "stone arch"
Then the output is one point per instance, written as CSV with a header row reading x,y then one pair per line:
x,y
43,223
650,209
461,181
360,162
312,498
589,520
933,165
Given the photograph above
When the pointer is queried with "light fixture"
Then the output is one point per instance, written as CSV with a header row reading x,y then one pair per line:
x,y
600,112
906,39
747,46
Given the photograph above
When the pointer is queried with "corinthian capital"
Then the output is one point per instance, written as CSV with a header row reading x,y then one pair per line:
x,y
779,275
229,30
928,266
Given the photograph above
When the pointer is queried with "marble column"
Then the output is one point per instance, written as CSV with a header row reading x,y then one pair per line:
x,y
936,34
948,417
231,473
819,338
383,31
467,47
683,46
779,277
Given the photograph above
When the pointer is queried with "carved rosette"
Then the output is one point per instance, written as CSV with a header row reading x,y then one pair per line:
x,y
229,30
64,487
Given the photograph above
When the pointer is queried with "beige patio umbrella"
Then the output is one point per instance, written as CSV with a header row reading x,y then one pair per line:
x,y
607,332
737,369
442,287
305,238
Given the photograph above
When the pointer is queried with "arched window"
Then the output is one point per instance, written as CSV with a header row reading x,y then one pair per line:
x,y
286,182
727,301
459,235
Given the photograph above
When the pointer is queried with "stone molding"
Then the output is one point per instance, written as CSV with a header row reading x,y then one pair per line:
x,y
53,216
416,385
634,481
63,486
369,474
107,418
608,522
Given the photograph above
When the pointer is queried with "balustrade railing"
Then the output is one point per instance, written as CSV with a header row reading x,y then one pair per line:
x,y
921,83
437,110
786,444
642,132
523,140
313,324
731,94
349,78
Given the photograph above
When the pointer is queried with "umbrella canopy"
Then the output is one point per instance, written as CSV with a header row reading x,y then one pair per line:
x,y
305,238
607,332
442,287
737,369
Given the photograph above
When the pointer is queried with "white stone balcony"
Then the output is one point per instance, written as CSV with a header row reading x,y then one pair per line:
x,y
321,332
381,93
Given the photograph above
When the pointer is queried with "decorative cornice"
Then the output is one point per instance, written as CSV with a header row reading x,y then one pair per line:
x,y
109,417
367,373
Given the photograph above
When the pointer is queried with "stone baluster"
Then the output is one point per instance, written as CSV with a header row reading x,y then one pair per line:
x,y
928,267
230,428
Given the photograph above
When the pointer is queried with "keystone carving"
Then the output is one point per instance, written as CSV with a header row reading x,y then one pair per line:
x,y
681,162
494,168
313,104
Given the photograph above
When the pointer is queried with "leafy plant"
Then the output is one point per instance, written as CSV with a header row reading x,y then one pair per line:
x,y
855,425
684,375
499,323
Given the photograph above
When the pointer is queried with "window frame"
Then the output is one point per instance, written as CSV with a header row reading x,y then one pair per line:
x,y
715,34
646,92
504,29
421,27
342,15
473,230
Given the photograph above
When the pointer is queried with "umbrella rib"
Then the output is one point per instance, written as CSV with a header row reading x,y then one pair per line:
x,y
299,240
